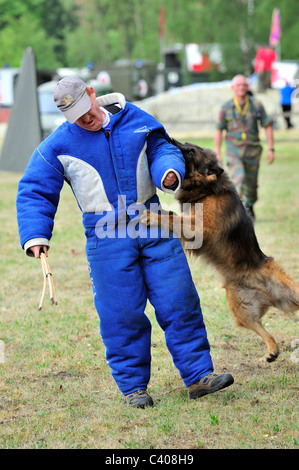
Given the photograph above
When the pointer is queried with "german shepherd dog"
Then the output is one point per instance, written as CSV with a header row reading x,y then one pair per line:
x,y
253,281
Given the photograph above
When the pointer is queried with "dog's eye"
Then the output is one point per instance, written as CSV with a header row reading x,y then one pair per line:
x,y
190,151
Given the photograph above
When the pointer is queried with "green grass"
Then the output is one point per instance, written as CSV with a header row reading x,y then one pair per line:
x,y
55,386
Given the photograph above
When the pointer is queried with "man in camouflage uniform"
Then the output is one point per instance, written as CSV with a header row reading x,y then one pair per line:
x,y
240,117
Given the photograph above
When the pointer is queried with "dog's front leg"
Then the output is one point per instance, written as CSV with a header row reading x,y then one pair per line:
x,y
165,220
187,227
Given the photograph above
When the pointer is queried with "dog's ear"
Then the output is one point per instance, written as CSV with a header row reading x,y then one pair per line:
x,y
219,170
214,169
189,151
186,148
194,147
174,142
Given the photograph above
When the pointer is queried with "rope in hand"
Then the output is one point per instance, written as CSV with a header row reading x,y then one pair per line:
x,y
47,276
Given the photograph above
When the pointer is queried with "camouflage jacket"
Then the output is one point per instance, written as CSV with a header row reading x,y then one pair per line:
x,y
243,129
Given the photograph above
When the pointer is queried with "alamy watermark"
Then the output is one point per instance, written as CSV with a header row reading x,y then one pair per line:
x,y
131,221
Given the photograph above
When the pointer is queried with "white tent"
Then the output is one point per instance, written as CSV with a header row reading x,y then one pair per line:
x,y
23,134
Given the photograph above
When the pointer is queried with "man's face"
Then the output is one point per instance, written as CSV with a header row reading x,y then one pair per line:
x,y
240,87
92,120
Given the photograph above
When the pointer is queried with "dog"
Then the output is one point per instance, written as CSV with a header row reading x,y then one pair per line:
x,y
253,281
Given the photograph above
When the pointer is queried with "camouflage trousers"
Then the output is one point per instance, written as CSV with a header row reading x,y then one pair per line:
x,y
243,165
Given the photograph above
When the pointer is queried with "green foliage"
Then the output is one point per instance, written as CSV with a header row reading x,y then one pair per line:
x,y
12,10
72,33
38,24
24,32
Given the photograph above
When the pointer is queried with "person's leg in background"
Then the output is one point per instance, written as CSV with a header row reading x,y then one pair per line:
x,y
235,165
252,158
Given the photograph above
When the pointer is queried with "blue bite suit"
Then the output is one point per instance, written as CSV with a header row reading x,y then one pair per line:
x,y
112,177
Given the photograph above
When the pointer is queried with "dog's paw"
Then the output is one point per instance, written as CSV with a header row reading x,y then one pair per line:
x,y
149,218
145,217
271,357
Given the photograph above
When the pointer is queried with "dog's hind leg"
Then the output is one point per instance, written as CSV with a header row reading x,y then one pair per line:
x,y
247,312
272,347
282,289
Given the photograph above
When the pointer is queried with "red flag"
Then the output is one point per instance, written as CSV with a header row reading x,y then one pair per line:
x,y
161,22
275,31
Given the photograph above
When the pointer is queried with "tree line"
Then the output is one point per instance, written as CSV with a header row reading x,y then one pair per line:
x,y
71,33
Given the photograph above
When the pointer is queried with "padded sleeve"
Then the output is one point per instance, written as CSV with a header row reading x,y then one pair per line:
x,y
164,157
37,198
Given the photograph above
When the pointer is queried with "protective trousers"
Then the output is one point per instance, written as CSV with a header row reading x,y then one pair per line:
x,y
243,164
125,273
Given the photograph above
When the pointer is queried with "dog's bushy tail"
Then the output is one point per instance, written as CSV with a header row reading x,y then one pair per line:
x,y
281,288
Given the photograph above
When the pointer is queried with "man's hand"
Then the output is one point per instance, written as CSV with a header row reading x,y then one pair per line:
x,y
270,156
170,179
217,143
219,158
38,249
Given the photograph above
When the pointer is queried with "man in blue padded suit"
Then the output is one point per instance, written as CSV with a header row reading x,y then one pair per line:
x,y
114,155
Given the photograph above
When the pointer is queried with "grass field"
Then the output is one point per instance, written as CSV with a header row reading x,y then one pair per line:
x,y
56,390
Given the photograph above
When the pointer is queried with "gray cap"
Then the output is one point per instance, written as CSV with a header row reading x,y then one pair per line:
x,y
71,98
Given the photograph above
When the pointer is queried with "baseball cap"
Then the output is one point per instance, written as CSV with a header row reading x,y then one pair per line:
x,y
71,98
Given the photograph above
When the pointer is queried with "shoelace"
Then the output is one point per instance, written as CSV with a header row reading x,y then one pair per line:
x,y
138,393
209,377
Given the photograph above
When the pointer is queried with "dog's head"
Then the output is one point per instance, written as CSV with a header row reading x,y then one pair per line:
x,y
201,164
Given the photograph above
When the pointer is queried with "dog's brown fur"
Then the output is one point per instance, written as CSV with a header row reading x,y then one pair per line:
x,y
253,281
